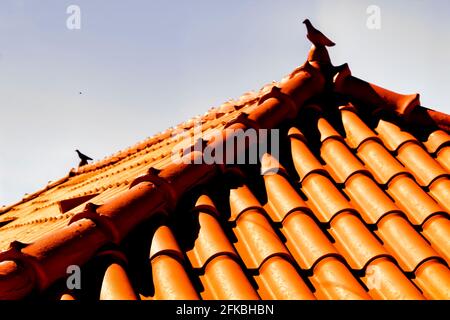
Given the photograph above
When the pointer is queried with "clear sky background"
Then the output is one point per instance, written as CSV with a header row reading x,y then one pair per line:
x,y
145,65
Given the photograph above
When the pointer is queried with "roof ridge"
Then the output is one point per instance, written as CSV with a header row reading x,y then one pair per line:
x,y
150,141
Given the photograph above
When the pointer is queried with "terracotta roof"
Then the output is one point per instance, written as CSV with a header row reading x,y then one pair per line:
x,y
355,207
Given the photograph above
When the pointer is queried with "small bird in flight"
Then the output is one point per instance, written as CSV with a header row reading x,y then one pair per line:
x,y
84,158
317,37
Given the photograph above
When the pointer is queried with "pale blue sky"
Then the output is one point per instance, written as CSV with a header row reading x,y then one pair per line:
x,y
147,65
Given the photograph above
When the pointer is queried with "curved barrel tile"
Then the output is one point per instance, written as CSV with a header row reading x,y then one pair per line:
x,y
305,240
434,279
415,202
356,243
400,238
369,198
211,241
256,239
333,281
170,279
340,160
436,140
282,197
424,168
225,280
278,280
437,230
443,157
439,189
392,135
323,197
356,131
304,161
116,285
379,161
387,282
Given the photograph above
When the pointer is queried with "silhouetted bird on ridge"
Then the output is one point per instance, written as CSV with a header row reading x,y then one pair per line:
x,y
84,158
317,37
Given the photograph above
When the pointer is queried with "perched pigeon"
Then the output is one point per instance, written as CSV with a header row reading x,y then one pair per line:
x,y
317,37
84,158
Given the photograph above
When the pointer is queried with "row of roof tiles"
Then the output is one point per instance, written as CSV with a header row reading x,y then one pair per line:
x,y
329,251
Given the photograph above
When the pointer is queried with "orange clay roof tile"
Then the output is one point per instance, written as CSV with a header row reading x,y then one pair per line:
x,y
333,281
225,280
116,284
407,245
170,280
241,200
439,189
381,164
424,168
164,242
305,240
443,157
415,202
368,218
327,131
256,239
342,163
205,204
436,140
354,240
386,281
324,197
436,229
210,242
392,135
304,161
356,131
376,97
282,197
434,279
67,296
368,198
400,238
278,280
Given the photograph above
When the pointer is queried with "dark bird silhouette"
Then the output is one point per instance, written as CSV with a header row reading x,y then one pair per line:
x,y
84,158
80,92
317,37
